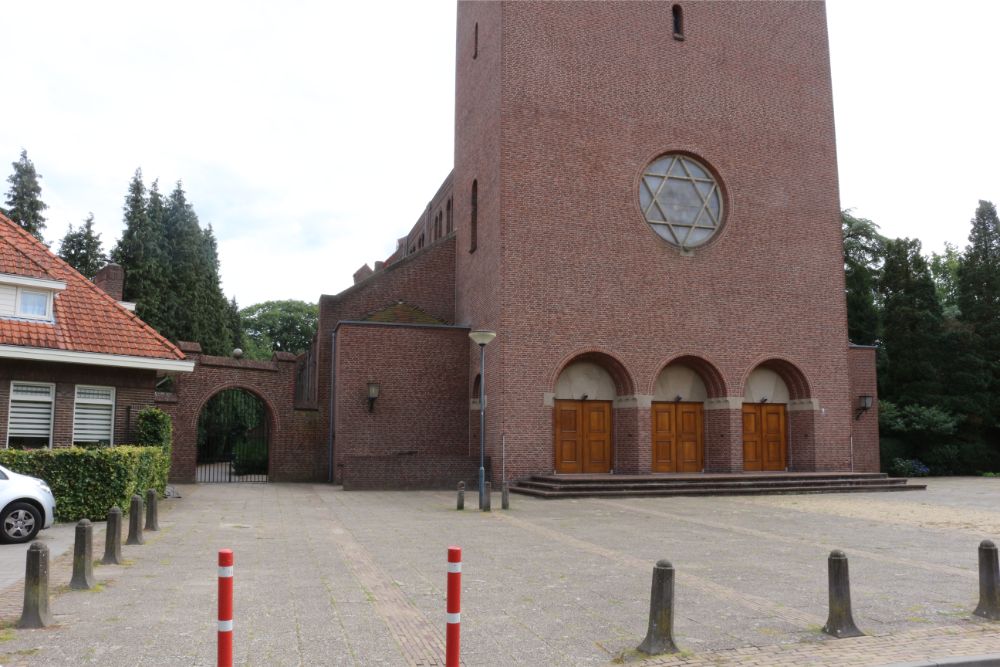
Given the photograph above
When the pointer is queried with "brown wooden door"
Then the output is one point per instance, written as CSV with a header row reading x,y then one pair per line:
x,y
678,437
582,436
765,442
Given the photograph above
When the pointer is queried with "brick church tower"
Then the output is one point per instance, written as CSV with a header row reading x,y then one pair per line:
x,y
644,209
647,214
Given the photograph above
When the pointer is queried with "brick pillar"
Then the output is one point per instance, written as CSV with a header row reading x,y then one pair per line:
x,y
801,438
632,451
724,434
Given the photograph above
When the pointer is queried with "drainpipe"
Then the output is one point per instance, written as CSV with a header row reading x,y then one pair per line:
x,y
333,372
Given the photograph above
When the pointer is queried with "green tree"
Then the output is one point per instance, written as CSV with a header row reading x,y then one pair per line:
x,y
283,326
979,298
24,198
912,332
141,253
862,256
81,248
944,270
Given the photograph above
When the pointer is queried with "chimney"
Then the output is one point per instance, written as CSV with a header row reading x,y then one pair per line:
x,y
111,279
362,273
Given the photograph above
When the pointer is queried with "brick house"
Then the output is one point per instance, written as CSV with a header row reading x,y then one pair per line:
x,y
644,208
76,365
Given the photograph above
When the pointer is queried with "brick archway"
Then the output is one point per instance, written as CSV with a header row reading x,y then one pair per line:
x,y
295,442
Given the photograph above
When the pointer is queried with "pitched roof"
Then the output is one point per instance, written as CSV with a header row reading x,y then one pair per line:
x,y
86,318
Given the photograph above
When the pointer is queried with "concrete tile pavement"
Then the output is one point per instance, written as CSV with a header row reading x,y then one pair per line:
x,y
325,577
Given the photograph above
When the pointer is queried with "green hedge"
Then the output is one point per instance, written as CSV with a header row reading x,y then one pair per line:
x,y
89,482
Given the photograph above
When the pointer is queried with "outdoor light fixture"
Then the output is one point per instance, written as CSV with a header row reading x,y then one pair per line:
x,y
763,399
482,338
373,392
864,405
678,398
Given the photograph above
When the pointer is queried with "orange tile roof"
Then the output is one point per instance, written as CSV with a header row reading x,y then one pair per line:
x,y
86,318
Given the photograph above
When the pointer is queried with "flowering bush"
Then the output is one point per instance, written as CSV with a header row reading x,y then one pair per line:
x,y
908,468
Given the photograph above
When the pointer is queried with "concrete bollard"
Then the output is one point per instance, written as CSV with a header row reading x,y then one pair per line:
x,y
660,635
36,589
83,557
840,622
989,582
486,497
113,538
505,496
460,504
152,513
135,521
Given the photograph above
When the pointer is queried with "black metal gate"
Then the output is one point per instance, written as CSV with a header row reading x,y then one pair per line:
x,y
233,435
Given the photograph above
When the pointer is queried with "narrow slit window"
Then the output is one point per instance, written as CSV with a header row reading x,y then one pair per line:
x,y
475,43
474,216
449,224
678,22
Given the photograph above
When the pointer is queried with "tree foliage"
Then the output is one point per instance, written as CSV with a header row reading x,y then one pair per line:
x,y
279,326
172,269
862,257
81,248
24,198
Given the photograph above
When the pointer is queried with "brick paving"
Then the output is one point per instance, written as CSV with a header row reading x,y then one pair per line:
x,y
327,577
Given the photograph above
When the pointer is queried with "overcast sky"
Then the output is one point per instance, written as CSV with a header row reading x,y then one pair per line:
x,y
312,134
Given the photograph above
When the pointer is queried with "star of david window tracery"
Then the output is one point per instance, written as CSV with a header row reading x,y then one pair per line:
x,y
680,200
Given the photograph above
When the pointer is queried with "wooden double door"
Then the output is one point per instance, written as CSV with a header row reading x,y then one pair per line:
x,y
765,443
582,436
678,437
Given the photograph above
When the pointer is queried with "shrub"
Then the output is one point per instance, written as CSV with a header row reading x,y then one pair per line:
x,y
961,458
908,468
153,427
89,482
891,449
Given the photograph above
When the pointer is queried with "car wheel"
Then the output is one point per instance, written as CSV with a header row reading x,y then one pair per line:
x,y
19,522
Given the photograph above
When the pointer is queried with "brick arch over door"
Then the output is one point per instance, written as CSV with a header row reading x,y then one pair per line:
x,y
715,384
296,452
624,384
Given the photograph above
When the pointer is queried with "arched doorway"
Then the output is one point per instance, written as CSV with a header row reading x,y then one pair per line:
x,y
678,420
767,391
583,423
233,438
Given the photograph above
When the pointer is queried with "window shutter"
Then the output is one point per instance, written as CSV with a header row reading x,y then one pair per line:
x,y
93,414
30,411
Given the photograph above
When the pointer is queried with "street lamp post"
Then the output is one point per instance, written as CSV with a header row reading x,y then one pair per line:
x,y
482,339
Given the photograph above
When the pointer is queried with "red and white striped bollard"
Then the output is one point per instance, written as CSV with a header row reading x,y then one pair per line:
x,y
452,649
225,608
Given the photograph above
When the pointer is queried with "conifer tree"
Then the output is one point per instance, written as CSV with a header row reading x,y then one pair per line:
x,y
912,333
140,252
979,297
81,248
24,198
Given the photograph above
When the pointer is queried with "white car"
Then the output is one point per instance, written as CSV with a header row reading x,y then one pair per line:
x,y
28,506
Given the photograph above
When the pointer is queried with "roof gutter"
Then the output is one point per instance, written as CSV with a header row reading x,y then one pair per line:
x,y
94,359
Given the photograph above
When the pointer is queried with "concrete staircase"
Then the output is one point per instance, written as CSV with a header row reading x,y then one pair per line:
x,y
707,484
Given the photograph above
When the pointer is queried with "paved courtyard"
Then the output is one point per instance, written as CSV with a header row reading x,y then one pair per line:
x,y
327,577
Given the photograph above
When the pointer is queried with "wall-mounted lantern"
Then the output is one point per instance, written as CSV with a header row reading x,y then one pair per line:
x,y
373,392
864,405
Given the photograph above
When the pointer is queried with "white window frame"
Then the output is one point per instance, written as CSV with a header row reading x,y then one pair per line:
x,y
93,401
51,401
18,311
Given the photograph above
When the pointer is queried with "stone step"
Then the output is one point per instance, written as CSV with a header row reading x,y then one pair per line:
x,y
717,491
546,484
702,477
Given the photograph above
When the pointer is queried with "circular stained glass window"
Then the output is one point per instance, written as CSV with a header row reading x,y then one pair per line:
x,y
680,200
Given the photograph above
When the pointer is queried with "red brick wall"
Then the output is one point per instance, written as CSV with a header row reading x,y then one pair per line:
x,y
413,472
423,407
133,391
557,132
865,427
296,453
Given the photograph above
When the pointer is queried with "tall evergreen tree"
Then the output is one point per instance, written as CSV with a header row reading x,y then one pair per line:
x,y
912,333
862,255
944,269
24,198
198,309
979,297
141,253
81,248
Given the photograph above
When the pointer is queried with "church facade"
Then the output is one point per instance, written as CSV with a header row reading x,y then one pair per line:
x,y
644,208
